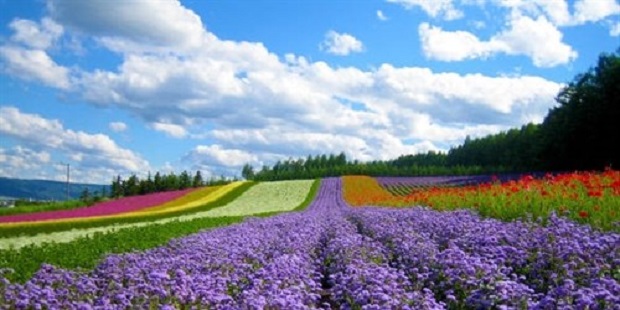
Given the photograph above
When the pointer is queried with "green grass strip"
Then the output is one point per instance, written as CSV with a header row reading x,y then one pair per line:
x,y
13,231
85,253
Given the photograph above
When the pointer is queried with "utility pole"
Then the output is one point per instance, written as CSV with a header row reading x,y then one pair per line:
x,y
68,176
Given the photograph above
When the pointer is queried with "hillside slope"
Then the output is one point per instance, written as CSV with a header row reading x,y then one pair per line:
x,y
44,189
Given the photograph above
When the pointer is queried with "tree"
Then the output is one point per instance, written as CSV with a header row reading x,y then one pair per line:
x,y
582,132
158,183
185,180
131,186
197,181
85,196
116,189
247,172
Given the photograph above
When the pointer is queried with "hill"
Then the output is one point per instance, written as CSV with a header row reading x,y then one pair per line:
x,y
45,189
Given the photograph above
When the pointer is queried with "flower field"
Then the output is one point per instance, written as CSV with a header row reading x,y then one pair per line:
x,y
284,196
589,198
333,256
198,200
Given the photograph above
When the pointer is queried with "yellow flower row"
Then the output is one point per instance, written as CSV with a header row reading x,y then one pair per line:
x,y
194,199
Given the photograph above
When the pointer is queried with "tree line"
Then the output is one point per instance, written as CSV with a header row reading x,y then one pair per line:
x,y
581,133
160,183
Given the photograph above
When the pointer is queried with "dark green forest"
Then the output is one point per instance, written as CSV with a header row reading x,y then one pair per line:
x,y
159,183
581,133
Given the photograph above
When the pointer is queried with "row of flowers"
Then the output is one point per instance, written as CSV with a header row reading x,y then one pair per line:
x,y
334,256
261,198
586,197
143,207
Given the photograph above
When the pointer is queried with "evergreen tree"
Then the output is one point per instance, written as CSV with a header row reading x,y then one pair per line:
x,y
197,181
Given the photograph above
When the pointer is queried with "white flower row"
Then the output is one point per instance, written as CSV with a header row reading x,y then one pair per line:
x,y
266,197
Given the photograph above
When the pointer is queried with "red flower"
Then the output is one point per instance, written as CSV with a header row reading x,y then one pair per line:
x,y
583,214
595,193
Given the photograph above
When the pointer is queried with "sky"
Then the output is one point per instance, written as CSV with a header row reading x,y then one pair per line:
x,y
126,87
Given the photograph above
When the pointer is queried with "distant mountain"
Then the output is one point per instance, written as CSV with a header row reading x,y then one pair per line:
x,y
44,189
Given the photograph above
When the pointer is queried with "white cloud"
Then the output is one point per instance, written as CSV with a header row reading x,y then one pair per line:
x,y
595,10
436,8
341,44
558,11
132,25
172,130
381,16
216,155
91,150
24,163
452,45
34,35
615,30
538,39
291,105
24,56
34,65
117,126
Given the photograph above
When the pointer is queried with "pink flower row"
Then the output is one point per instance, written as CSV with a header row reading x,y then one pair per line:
x,y
110,207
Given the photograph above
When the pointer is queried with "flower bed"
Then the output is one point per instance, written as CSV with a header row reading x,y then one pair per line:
x,y
333,256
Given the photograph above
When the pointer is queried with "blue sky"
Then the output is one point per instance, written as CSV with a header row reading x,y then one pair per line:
x,y
128,87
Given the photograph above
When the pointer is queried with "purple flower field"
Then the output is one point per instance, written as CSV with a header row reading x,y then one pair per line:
x,y
332,256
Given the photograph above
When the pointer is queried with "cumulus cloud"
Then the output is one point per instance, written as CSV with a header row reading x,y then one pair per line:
x,y
452,45
341,44
437,8
117,126
559,11
38,36
25,55
537,38
595,10
615,30
172,130
133,25
291,106
91,150
19,159
34,65
216,155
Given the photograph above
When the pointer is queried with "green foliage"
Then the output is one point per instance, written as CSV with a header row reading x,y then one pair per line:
x,y
582,132
26,261
198,181
513,150
160,183
12,231
320,166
